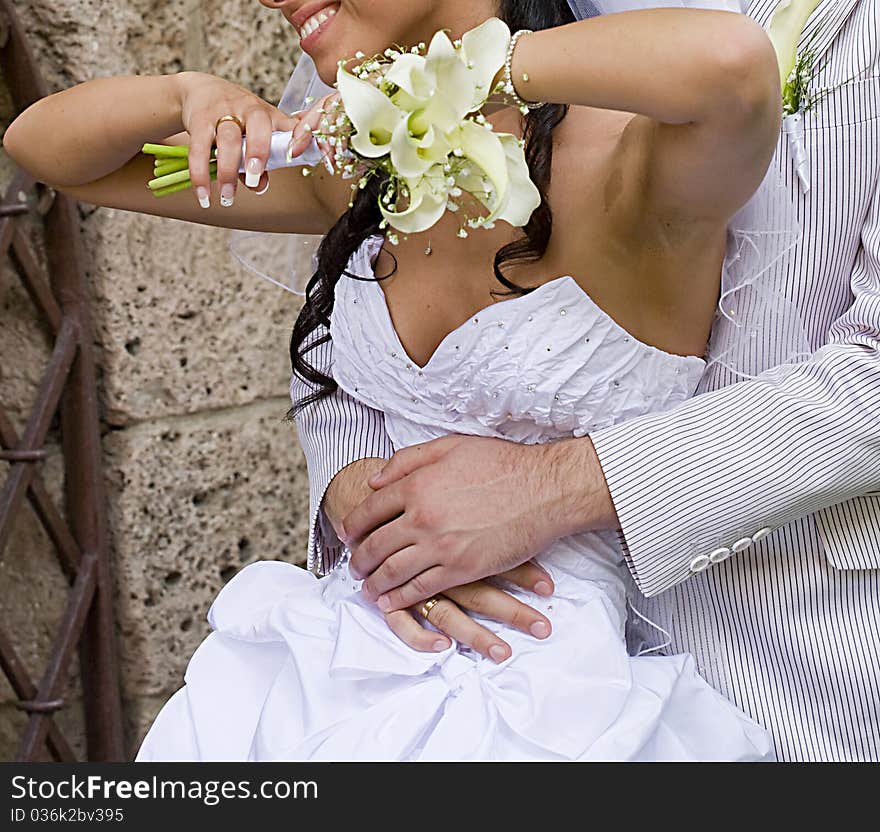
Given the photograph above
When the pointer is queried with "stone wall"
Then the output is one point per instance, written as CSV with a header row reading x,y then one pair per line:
x,y
203,475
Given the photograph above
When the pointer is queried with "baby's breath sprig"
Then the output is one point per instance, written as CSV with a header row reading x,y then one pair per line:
x,y
795,93
797,96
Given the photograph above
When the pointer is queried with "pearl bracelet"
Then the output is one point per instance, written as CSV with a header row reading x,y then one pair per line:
x,y
507,81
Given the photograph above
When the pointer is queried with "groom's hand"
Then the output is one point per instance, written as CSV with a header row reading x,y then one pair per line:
x,y
460,508
349,488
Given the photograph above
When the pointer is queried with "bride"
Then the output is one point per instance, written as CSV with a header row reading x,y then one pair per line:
x,y
661,125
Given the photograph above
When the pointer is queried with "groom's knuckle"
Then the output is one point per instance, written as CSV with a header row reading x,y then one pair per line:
x,y
420,586
365,552
391,572
445,546
422,516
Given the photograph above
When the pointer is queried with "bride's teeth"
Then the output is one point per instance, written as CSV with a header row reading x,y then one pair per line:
x,y
316,20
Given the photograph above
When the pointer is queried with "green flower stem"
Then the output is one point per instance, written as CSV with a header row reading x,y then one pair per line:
x,y
181,186
170,166
166,150
173,178
168,179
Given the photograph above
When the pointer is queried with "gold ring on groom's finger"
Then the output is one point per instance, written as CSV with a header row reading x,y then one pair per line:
x,y
429,605
236,119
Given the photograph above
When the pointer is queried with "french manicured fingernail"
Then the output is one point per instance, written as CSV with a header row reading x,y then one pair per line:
x,y
227,195
539,630
253,169
263,189
288,154
204,196
498,653
384,603
440,645
543,588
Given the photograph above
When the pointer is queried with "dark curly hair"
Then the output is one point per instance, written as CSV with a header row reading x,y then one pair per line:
x,y
362,220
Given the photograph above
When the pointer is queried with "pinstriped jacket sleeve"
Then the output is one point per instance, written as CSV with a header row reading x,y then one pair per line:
x,y
333,432
753,456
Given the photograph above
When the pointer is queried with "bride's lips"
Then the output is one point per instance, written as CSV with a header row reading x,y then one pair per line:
x,y
310,25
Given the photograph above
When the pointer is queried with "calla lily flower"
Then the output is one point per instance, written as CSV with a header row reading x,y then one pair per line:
x,y
785,29
372,113
416,122
485,49
522,196
427,202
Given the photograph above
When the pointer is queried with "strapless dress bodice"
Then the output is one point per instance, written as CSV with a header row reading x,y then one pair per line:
x,y
533,368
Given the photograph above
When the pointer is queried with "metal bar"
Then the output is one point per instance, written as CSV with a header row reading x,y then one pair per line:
x,y
14,202
55,675
37,455
25,690
18,62
65,546
84,480
25,261
20,474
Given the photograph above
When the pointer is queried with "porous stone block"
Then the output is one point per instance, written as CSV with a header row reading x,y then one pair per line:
x,y
180,325
193,500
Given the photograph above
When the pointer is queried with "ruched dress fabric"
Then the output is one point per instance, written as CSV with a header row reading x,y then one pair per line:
x,y
301,668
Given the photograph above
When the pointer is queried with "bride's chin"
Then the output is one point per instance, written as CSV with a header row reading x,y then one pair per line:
x,y
327,66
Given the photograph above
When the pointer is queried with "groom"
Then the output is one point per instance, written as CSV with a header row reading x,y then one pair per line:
x,y
750,515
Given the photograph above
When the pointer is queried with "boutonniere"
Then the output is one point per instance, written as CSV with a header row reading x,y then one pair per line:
x,y
797,71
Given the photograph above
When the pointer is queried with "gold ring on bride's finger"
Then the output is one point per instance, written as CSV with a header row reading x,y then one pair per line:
x,y
236,119
429,605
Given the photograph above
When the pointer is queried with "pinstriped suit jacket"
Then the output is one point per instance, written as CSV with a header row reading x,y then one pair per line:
x,y
750,515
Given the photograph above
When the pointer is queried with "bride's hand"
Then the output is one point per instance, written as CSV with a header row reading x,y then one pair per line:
x,y
316,119
204,98
449,617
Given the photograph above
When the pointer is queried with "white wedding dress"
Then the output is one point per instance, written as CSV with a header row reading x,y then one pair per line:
x,y
301,668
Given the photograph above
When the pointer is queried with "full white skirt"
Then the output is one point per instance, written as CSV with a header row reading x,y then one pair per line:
x,y
299,668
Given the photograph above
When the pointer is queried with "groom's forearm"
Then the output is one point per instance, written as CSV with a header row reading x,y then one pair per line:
x,y
583,499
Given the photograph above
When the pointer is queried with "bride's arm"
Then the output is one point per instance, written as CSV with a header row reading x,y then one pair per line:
x,y
85,141
706,83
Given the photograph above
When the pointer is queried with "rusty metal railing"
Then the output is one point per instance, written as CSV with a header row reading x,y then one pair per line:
x,y
68,389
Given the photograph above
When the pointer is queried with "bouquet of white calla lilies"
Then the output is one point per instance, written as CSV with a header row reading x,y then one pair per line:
x,y
416,117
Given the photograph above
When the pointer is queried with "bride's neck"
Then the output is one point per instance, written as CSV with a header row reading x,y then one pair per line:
x,y
456,17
